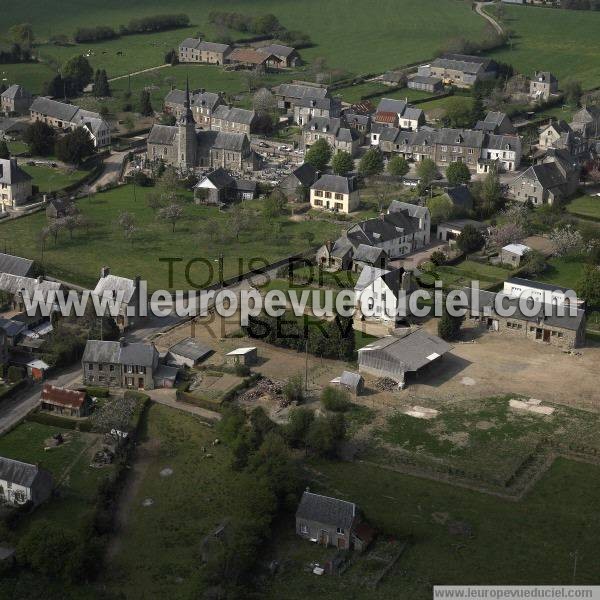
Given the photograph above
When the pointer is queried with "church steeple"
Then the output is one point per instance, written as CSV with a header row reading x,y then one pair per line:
x,y
187,140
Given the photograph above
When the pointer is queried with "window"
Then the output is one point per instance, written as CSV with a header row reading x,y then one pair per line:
x,y
111,367
340,531
90,366
327,194
338,197
304,528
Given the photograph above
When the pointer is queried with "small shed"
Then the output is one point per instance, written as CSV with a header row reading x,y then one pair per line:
x,y
165,376
512,254
353,382
36,369
189,352
242,356
65,402
363,536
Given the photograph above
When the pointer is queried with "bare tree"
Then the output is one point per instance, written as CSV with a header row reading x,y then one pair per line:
x,y
71,223
154,201
130,232
172,214
263,101
55,228
125,220
251,79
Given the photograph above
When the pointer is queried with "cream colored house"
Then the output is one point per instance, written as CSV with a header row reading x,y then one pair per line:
x,y
336,193
15,184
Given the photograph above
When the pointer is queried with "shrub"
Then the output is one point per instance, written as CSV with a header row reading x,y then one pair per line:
x,y
15,374
335,399
98,392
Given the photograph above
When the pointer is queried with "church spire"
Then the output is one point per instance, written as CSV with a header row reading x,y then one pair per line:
x,y
187,116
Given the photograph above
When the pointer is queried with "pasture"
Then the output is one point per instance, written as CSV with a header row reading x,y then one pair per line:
x,y
51,179
587,207
78,259
349,34
565,42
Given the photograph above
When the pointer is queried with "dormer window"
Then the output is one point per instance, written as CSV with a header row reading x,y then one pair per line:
x,y
459,139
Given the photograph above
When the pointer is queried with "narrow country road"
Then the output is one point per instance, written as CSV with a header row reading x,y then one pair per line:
x,y
479,10
111,172
138,72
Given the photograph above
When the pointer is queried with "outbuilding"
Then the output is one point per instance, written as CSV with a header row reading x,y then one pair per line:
x,y
189,352
513,254
353,382
242,356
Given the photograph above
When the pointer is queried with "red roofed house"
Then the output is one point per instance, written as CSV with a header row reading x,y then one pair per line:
x,y
387,117
70,403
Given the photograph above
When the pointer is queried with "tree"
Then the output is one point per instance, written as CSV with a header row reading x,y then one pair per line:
x,y
325,433
146,109
101,85
125,220
264,101
252,79
448,326
4,152
477,109
398,166
40,138
371,162
172,213
573,92
298,425
588,287
293,389
426,172
490,193
171,57
342,162
440,208
533,263
274,204
335,399
318,154
75,146
238,220
470,239
458,113
509,233
438,258
566,240
22,34
78,72
458,173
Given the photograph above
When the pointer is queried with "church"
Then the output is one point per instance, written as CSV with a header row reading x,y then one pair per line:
x,y
186,148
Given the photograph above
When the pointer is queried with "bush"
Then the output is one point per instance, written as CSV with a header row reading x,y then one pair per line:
x,y
335,399
15,374
98,392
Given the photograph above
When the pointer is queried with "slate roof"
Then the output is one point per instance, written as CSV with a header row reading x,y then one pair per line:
x,y
341,247
54,109
326,124
460,224
320,103
368,254
382,229
461,197
22,473
8,125
465,63
213,47
225,140
518,249
587,114
460,137
15,91
234,115
134,353
15,283
547,174
367,276
424,79
544,77
549,287
335,184
298,90
191,348
277,50
249,55
162,134
15,265
11,327
350,379
112,285
220,178
306,174
354,119
11,173
190,43
393,280
571,323
503,142
391,105
412,210
326,510
409,353
200,98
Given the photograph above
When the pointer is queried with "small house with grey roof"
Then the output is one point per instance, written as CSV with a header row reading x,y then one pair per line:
x,y
288,94
306,109
129,293
15,184
542,85
130,365
202,103
460,70
194,50
288,56
402,114
15,265
296,185
15,100
336,193
219,187
21,482
334,131
496,122
326,521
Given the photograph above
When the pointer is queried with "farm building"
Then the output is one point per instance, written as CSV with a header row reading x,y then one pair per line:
x,y
189,352
21,482
395,357
450,230
512,254
64,402
353,382
326,521
242,356
425,83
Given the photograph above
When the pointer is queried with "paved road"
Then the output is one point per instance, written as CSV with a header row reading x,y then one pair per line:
x,y
479,10
111,172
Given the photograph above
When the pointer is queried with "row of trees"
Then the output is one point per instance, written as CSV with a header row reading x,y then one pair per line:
x,y
73,147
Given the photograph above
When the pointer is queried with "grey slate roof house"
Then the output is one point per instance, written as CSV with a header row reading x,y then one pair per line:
x,y
15,184
334,131
15,99
425,83
549,327
15,265
460,70
238,120
496,122
306,109
198,51
289,56
369,255
461,198
295,186
219,187
586,122
17,286
335,192
542,85
22,482
326,521
120,364
395,357
202,103
288,94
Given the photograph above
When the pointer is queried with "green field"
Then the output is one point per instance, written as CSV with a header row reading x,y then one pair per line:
x,y
457,276
585,206
51,179
80,259
355,93
565,42
362,41
565,272
512,543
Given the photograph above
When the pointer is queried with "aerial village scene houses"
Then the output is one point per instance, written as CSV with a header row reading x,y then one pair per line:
x,y
232,250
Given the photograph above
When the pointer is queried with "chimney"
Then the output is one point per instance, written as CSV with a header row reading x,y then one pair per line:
x,y
406,283
137,280
104,271
40,278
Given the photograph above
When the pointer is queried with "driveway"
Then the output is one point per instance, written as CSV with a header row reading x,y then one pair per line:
x,y
167,397
413,260
111,172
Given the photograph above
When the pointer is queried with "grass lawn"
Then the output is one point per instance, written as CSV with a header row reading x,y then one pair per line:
x,y
585,206
50,179
573,53
32,76
463,273
389,37
159,547
513,543
565,272
355,93
80,259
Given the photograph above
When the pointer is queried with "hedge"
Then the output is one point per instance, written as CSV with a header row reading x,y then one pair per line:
x,y
98,392
61,422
